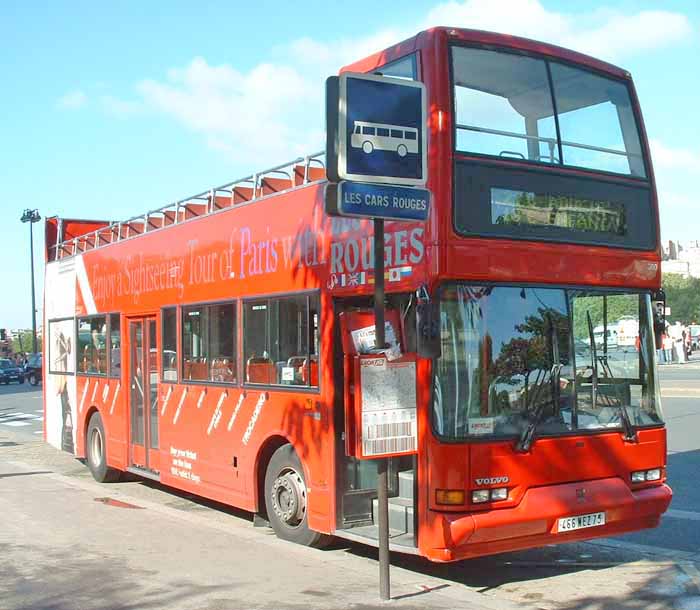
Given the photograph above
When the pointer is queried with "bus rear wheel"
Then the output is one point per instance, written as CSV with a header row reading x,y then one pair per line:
x,y
402,150
96,452
368,147
285,499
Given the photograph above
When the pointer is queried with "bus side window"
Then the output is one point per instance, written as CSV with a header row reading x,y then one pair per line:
x,y
169,343
115,360
396,133
280,343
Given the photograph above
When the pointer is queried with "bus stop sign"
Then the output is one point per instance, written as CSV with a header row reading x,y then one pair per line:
x,y
375,129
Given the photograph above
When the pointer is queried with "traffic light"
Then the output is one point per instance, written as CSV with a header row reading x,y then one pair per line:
x,y
3,334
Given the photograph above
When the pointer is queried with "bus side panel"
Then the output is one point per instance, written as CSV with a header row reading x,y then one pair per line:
x,y
59,376
106,396
212,438
199,450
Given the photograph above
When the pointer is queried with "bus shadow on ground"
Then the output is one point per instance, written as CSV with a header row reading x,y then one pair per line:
x,y
572,576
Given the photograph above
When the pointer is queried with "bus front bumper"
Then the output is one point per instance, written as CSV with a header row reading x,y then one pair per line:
x,y
535,520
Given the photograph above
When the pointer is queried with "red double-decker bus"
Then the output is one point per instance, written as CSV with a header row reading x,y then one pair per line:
x,y
211,344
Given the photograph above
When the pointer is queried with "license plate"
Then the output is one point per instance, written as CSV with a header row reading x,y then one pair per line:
x,y
569,524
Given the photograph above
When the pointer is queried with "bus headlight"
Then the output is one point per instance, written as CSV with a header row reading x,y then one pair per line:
x,y
654,474
480,496
641,476
500,493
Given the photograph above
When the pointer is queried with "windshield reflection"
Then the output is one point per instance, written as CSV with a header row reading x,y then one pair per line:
x,y
518,357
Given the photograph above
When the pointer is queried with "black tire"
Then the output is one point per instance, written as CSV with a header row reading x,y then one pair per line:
x,y
32,379
96,452
285,499
20,380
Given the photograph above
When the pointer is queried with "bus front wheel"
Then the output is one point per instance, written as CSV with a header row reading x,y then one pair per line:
x,y
285,499
96,452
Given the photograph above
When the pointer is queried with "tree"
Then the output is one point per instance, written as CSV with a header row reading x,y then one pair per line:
x,y
683,297
22,342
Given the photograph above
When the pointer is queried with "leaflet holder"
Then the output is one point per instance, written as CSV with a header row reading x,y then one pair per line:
x,y
379,380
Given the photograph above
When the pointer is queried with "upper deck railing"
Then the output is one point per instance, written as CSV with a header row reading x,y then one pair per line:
x,y
298,172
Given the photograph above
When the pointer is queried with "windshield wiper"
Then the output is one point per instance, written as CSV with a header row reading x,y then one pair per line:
x,y
630,433
528,435
594,362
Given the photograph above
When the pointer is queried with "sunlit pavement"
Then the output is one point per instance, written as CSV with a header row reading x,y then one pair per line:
x,y
61,549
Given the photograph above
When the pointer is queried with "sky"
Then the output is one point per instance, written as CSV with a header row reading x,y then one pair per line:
x,y
112,109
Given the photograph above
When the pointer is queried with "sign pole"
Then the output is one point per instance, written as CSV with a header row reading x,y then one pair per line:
x,y
382,463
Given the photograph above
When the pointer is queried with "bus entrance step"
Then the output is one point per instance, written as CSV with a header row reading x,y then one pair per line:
x,y
400,514
406,484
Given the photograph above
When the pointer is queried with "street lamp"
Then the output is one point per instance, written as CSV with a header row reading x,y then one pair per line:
x,y
32,216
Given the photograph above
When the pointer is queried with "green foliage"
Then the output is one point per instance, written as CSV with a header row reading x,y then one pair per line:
x,y
22,342
618,306
683,297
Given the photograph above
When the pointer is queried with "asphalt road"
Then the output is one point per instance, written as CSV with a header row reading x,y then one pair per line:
x,y
21,410
680,396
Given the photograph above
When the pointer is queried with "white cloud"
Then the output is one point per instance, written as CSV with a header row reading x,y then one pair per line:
x,y
676,170
275,110
604,33
72,100
668,158
118,107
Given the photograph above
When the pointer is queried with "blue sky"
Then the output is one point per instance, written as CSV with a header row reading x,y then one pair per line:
x,y
111,109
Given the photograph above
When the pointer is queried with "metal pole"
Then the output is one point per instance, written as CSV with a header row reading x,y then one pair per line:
x,y
31,255
382,463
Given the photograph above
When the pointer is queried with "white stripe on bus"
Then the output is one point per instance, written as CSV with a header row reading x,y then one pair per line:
x,y
234,415
179,405
114,399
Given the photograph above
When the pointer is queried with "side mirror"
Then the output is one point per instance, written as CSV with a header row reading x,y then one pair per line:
x,y
428,329
658,300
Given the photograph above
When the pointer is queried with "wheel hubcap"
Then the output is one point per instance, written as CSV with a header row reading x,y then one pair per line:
x,y
289,497
96,446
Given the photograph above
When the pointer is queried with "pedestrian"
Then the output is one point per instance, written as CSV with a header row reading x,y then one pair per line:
x,y
667,342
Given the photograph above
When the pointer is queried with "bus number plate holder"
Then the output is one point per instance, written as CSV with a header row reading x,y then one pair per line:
x,y
569,524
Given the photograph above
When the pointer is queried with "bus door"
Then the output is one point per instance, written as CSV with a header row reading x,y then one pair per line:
x,y
357,479
143,393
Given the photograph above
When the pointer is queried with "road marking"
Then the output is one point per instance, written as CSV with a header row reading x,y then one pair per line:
x,y
16,424
38,432
683,514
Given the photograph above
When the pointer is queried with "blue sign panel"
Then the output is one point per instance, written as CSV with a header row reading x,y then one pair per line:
x,y
382,201
381,130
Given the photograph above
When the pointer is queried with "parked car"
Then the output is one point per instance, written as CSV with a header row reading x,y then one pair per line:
x,y
32,370
9,371
694,336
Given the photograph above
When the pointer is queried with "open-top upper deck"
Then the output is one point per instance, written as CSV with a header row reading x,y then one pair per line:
x,y
278,179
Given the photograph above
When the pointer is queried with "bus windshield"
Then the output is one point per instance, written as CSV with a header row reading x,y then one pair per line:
x,y
521,107
511,353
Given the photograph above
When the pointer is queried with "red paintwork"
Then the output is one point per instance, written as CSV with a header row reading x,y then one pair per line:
x,y
285,243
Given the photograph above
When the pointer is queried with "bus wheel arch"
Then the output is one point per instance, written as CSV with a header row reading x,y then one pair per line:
x,y
96,449
265,453
281,475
